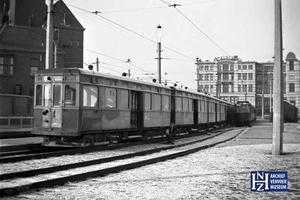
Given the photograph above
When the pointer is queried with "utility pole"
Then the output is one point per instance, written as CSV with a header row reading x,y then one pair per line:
x,y
278,86
159,36
263,94
97,64
159,61
49,36
55,40
271,93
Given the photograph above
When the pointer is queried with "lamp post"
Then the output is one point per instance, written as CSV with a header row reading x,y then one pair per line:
x,y
159,34
129,66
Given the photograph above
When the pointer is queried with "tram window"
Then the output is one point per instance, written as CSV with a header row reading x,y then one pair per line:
x,y
165,103
70,95
147,101
47,93
179,103
185,104
110,98
90,96
191,108
124,99
38,95
56,95
156,102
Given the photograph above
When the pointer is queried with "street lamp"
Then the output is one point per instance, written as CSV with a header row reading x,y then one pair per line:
x,y
159,34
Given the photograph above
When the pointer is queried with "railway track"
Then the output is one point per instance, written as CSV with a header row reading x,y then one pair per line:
x,y
94,168
44,152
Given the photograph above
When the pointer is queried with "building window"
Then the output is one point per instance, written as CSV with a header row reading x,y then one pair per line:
x,y
245,76
6,65
211,67
291,65
201,68
34,66
239,67
206,67
201,87
291,77
211,88
259,89
244,88
250,76
225,67
211,77
231,67
259,77
206,77
239,76
250,88
226,88
292,87
18,89
244,66
200,77
250,66
239,88
225,76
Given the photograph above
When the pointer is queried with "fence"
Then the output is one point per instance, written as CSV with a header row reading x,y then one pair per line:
x,y
15,122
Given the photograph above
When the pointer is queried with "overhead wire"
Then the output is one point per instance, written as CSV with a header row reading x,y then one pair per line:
x,y
148,39
175,6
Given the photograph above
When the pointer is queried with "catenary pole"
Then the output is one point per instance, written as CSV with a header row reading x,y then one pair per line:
x,y
49,36
278,86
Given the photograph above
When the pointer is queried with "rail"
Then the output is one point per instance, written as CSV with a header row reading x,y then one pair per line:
x,y
16,122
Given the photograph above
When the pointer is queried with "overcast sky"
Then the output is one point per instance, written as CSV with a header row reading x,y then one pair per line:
x,y
126,29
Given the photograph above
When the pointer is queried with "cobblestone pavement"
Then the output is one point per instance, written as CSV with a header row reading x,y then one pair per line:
x,y
222,172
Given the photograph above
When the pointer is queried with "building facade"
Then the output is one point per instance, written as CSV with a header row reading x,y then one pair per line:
x,y
228,78
232,79
23,42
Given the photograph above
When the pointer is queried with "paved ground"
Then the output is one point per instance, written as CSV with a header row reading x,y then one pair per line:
x,y
20,141
221,172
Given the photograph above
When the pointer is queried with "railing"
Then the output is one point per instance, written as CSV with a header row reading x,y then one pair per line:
x,y
16,122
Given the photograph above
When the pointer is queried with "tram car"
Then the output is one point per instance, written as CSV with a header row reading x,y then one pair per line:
x,y
245,113
290,113
77,107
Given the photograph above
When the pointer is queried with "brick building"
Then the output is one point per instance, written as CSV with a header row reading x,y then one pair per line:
x,y
23,42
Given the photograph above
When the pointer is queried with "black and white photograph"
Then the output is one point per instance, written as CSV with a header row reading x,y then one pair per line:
x,y
149,99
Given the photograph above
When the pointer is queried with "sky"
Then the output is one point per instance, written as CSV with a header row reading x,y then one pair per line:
x,y
127,29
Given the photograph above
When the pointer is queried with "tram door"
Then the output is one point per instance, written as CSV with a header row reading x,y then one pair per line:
x,y
196,110
216,112
52,111
136,111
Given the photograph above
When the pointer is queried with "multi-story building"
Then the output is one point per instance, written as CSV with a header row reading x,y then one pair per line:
x,y
228,78
234,80
292,81
23,42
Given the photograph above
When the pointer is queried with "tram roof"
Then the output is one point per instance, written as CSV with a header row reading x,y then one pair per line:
x,y
62,71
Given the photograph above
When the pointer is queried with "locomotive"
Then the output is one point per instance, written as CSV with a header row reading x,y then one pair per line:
x,y
245,113
77,107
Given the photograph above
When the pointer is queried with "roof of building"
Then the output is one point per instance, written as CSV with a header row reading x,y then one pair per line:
x,y
291,56
22,38
64,18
